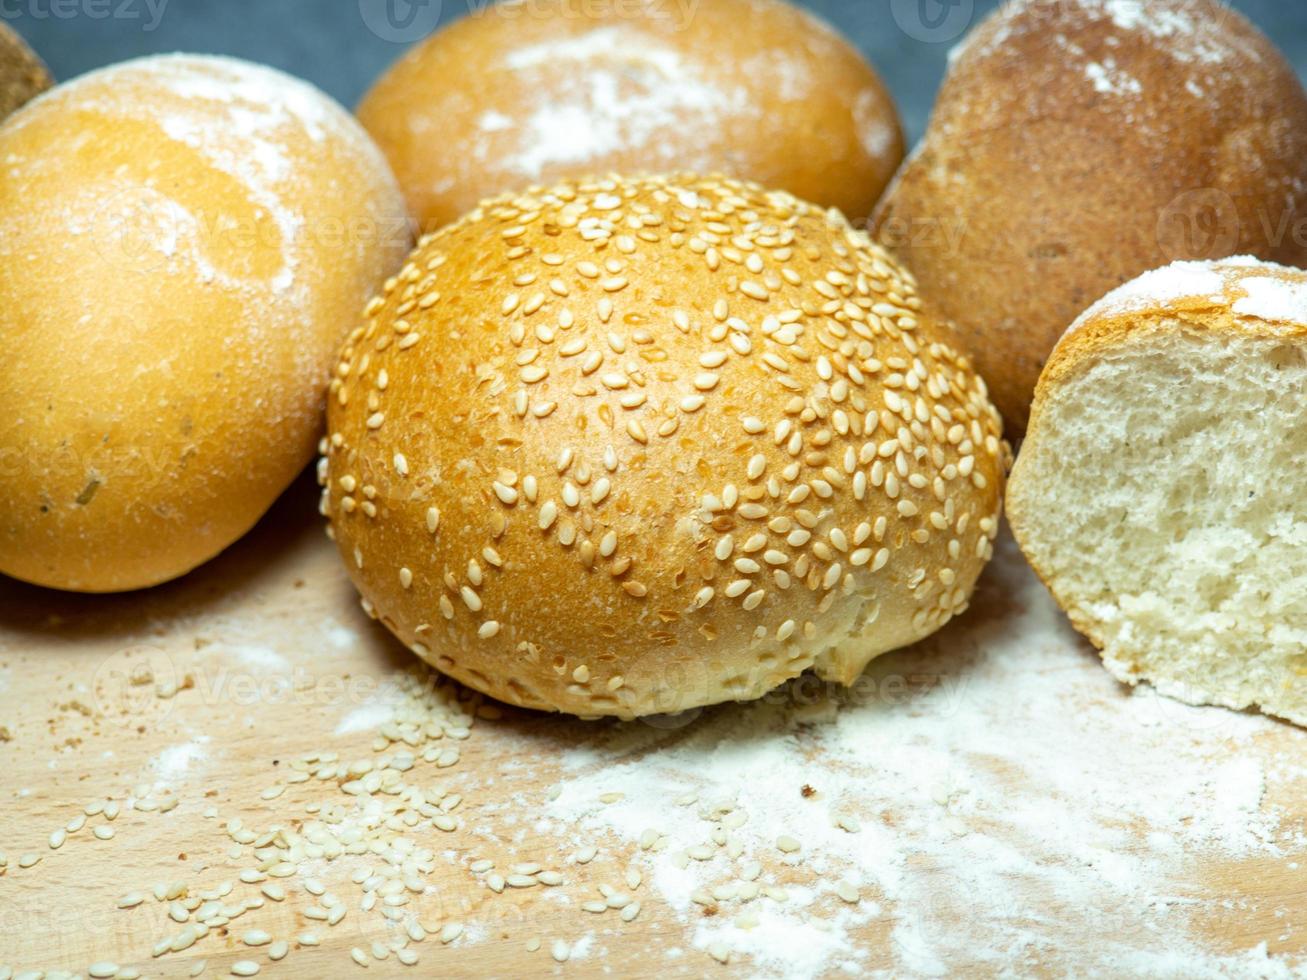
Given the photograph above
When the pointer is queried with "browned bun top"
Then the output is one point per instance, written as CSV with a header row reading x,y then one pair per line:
x,y
23,75
530,92
638,445
1077,144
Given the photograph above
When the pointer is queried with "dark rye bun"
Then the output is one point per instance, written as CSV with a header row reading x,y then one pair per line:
x,y
23,76
754,88
1079,143
639,445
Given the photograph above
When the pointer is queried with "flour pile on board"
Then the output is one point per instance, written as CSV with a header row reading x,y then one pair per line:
x,y
983,802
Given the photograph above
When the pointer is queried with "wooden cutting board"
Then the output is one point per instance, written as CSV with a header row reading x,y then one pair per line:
x,y
195,700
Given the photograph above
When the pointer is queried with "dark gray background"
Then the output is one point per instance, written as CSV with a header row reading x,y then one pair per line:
x,y
330,43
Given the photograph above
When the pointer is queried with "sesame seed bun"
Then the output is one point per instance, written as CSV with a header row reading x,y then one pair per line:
x,y
1079,143
1157,492
639,445
754,88
185,243
23,75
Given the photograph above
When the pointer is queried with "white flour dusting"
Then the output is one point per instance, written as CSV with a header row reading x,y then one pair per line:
x,y
1240,281
628,88
1187,30
1273,300
1002,801
1111,80
177,760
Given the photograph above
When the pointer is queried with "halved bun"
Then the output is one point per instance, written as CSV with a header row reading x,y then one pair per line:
x,y
1160,490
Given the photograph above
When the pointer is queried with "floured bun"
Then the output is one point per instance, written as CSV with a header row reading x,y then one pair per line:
x,y
1077,144
754,88
1160,489
639,445
185,241
23,75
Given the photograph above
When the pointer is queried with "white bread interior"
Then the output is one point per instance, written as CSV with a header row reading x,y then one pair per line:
x,y
1162,496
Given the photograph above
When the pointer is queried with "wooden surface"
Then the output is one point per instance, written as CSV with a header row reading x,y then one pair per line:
x,y
282,663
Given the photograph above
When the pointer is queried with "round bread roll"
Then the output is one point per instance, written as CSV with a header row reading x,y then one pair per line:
x,y
1159,492
754,88
185,242
23,75
1079,143
640,445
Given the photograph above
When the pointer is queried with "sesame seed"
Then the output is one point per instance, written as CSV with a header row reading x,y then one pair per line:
x,y
244,968
488,629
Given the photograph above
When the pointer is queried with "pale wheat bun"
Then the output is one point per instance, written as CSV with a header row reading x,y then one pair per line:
x,y
754,88
645,444
185,243
23,75
1160,492
1079,143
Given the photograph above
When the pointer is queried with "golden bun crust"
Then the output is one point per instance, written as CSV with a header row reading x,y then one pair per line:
x,y
644,444
1077,144
1238,296
755,88
23,75
185,243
